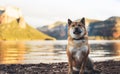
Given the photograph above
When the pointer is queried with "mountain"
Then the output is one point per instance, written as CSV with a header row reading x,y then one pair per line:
x,y
56,30
14,27
59,29
107,29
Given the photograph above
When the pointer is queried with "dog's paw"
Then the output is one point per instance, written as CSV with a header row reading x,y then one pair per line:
x,y
70,72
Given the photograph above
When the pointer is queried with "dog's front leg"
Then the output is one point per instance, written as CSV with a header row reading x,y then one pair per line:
x,y
83,65
70,65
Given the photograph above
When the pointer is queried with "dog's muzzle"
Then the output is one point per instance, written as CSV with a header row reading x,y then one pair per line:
x,y
77,31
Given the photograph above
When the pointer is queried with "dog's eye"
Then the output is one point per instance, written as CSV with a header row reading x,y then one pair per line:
x,y
79,25
73,25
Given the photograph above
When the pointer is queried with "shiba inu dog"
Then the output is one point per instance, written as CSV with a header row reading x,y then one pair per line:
x,y
77,48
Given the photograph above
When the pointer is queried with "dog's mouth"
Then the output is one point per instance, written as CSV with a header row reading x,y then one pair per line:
x,y
77,32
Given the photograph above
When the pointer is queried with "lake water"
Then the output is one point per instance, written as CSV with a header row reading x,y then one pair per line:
x,y
25,52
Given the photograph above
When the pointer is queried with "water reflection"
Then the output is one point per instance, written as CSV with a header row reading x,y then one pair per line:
x,y
52,51
11,52
45,51
106,49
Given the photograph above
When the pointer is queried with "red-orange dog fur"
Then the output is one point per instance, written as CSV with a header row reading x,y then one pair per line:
x,y
77,48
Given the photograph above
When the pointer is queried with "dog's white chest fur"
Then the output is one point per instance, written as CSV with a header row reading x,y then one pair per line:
x,y
78,52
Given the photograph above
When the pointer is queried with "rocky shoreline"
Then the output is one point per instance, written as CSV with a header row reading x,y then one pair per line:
x,y
105,67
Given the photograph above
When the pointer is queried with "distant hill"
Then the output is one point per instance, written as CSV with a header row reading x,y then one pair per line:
x,y
14,27
11,31
108,29
59,29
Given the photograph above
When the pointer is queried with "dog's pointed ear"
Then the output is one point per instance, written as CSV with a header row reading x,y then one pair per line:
x,y
83,21
69,21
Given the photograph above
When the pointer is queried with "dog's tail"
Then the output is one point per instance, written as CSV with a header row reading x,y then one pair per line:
x,y
90,67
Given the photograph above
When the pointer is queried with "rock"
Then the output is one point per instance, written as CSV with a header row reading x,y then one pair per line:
x,y
9,14
14,27
105,67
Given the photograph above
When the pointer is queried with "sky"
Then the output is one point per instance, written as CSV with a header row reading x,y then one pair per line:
x,y
43,12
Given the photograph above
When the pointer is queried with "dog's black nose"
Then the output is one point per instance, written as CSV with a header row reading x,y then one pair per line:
x,y
77,31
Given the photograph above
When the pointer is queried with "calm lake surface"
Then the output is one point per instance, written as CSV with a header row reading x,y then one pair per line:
x,y
25,52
